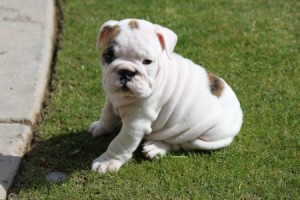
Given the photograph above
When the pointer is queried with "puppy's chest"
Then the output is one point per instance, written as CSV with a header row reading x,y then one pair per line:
x,y
166,118
160,122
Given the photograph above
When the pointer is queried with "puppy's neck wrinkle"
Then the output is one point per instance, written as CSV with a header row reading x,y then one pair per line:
x,y
163,78
120,100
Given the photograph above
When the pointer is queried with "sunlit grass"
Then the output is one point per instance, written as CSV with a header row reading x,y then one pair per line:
x,y
253,45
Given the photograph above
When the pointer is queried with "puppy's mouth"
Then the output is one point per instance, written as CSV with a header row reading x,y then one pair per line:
x,y
126,76
127,81
124,88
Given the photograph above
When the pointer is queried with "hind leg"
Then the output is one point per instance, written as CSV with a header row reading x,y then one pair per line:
x,y
156,149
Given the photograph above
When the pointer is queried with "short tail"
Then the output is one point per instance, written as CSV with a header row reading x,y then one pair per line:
x,y
205,145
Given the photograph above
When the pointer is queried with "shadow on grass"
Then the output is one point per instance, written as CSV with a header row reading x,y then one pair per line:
x,y
68,153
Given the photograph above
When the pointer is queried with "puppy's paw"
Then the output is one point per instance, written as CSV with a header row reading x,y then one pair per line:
x,y
96,129
155,149
104,164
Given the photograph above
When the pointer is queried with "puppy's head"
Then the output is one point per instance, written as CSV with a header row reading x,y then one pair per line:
x,y
131,54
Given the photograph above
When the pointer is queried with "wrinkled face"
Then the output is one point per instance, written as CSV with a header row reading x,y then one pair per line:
x,y
130,59
130,56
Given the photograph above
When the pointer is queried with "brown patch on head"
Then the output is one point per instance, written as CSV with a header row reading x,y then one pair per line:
x,y
133,24
108,35
216,84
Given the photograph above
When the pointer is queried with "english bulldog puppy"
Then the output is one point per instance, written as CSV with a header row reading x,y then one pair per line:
x,y
158,96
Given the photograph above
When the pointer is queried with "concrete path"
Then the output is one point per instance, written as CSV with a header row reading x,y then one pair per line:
x,y
27,31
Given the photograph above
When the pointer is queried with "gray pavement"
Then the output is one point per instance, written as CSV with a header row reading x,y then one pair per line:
x,y
27,30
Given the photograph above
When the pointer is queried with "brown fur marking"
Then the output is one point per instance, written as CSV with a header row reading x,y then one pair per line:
x,y
216,84
110,35
133,24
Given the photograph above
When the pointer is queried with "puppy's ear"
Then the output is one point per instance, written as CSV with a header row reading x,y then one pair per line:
x,y
167,39
107,31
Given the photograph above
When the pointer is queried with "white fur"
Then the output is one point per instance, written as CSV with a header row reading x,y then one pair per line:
x,y
169,102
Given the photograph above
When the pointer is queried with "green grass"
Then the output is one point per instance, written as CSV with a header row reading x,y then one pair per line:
x,y
253,45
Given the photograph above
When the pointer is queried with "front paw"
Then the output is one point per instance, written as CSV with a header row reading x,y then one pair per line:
x,y
104,164
96,129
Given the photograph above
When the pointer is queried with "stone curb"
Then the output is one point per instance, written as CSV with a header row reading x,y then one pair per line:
x,y
27,32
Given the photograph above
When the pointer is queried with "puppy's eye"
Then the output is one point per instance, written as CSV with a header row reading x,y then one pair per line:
x,y
108,57
147,62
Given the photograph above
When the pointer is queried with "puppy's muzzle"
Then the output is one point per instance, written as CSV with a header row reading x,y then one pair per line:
x,y
125,77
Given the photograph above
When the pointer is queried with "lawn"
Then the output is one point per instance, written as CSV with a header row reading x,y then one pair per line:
x,y
253,45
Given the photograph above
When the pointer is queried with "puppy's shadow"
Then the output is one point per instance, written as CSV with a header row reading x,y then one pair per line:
x,y
76,151
71,152
68,153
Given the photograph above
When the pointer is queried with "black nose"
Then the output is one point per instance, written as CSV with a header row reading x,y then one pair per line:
x,y
126,75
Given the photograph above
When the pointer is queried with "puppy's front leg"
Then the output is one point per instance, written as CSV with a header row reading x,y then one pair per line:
x,y
107,122
122,147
